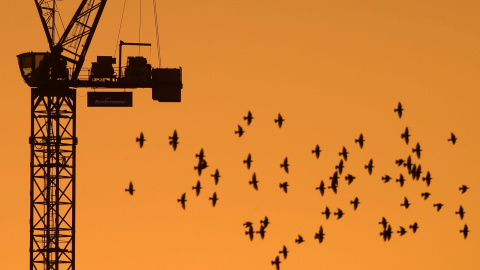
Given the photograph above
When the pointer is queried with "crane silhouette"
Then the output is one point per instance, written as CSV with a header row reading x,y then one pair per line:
x,y
53,77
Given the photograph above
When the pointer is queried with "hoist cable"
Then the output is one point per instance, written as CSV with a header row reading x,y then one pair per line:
x,y
120,28
156,29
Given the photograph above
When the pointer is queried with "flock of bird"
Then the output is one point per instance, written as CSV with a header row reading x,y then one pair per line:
x,y
411,168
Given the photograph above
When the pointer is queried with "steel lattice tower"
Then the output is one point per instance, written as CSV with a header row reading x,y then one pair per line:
x,y
52,174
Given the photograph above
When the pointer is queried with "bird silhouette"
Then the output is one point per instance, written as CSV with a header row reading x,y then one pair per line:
x,y
254,181
417,150
386,178
317,151
182,200
414,227
463,189
355,203
402,231
399,110
216,176
326,213
248,161
214,199
285,165
349,178
438,206
344,153
321,188
141,139
465,231
284,251
425,195
452,139
369,167
130,188
299,239
360,140
197,187
427,178
239,131
279,120
405,135
249,118
340,167
460,212
405,203
284,186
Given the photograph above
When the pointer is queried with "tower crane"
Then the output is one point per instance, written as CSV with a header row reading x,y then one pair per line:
x,y
53,77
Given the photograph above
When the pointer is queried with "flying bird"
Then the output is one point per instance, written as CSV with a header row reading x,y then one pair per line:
x,y
355,203
425,195
250,232
405,203
327,212
285,165
460,212
200,155
417,150
284,186
173,140
321,188
349,178
384,223
387,233
464,231
414,227
399,162
438,206
344,153
299,240
452,139
214,199
339,213
254,181
400,180
369,167
463,189
202,164
248,161
197,188
249,118
130,188
284,251
320,235
262,231
386,178
340,167
317,151
360,140
182,200
427,178
216,176
141,139
399,110
405,135
265,221
239,131
279,120
402,231
276,262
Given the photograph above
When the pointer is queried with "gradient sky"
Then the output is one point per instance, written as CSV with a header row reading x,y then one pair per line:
x,y
333,69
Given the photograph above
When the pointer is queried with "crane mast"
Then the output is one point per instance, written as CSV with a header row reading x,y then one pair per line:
x,y
53,77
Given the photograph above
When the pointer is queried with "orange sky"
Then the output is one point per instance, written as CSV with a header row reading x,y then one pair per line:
x,y
333,69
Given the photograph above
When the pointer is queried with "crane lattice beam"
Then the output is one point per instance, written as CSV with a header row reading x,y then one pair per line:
x,y
52,173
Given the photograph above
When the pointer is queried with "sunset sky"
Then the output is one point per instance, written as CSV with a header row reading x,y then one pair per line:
x,y
332,69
